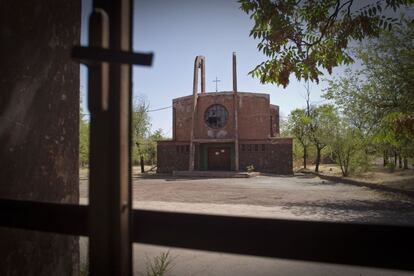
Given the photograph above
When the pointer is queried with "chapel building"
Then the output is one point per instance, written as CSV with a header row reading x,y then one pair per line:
x,y
224,131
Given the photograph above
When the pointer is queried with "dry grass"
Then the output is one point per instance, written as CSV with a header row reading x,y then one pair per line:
x,y
402,179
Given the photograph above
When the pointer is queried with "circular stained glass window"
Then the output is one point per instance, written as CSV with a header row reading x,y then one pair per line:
x,y
216,116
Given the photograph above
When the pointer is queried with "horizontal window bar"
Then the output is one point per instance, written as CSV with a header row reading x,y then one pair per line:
x,y
44,216
384,246
94,55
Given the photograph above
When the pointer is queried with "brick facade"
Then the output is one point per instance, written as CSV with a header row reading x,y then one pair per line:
x,y
267,157
172,156
257,129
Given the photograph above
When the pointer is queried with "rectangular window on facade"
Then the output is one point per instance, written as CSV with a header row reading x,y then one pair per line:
x,y
249,147
187,148
263,147
256,147
243,147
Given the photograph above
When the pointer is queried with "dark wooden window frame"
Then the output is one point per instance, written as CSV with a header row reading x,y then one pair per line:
x,y
373,245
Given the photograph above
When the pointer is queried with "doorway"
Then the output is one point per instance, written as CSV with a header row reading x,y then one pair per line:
x,y
219,159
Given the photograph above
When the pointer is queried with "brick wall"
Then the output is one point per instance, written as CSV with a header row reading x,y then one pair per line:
x,y
265,157
254,116
172,157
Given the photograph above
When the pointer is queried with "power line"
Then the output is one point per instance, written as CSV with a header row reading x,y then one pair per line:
x,y
152,110
158,109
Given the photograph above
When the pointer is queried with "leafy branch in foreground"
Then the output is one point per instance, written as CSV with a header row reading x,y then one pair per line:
x,y
301,37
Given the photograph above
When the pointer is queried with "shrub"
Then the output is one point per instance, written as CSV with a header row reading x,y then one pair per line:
x,y
391,166
160,265
250,168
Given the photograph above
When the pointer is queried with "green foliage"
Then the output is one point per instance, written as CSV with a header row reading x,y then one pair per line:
x,y
144,142
312,131
391,166
297,149
84,269
388,64
299,127
83,140
351,93
348,148
300,37
250,168
379,100
160,265
151,145
140,129
323,121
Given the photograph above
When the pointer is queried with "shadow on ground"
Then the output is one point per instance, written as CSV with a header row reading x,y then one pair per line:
x,y
363,211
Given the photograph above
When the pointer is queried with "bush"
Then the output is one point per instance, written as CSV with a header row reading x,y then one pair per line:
x,y
250,168
391,166
160,265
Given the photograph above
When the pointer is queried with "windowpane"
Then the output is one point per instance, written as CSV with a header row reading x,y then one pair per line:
x,y
216,116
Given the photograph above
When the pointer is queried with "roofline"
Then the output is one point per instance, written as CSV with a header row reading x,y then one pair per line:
x,y
207,94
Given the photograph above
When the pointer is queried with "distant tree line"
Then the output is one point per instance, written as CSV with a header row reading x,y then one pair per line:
x,y
144,146
144,149
372,112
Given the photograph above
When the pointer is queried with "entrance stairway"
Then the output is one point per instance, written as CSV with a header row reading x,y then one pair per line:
x,y
214,174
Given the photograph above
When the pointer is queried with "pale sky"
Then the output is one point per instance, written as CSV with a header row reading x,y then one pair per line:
x,y
178,31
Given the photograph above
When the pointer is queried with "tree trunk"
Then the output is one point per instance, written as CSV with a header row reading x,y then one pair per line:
x,y
305,155
399,161
142,163
395,158
405,163
318,158
385,158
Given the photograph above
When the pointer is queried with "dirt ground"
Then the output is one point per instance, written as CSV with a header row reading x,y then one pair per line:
x,y
292,197
296,197
400,179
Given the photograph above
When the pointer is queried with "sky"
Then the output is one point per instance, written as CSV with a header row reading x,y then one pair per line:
x,y
176,32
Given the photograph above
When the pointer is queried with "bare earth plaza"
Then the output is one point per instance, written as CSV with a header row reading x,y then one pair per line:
x,y
288,197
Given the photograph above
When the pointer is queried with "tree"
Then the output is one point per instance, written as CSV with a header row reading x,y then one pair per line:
x,y
83,140
347,145
299,127
140,130
352,94
152,145
300,37
388,63
379,99
323,121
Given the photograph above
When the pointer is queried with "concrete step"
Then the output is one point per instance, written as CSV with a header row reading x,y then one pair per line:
x,y
214,174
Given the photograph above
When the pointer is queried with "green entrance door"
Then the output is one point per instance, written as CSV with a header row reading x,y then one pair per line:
x,y
219,159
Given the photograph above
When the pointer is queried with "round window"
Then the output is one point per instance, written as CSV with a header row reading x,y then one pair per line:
x,y
216,116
